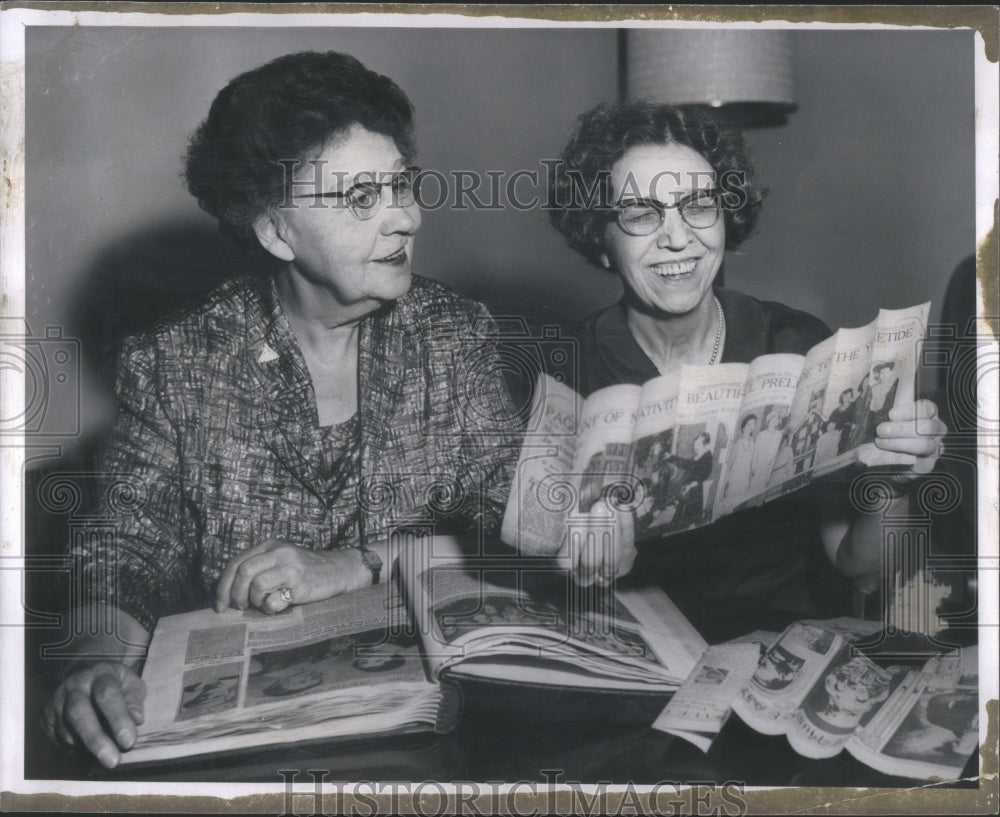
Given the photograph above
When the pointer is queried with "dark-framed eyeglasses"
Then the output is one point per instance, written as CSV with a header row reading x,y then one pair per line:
x,y
363,197
644,216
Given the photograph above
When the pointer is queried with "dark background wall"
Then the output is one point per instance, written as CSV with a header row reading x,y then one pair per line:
x,y
872,180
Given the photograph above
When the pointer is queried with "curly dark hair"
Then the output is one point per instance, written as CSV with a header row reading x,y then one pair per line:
x,y
580,186
287,109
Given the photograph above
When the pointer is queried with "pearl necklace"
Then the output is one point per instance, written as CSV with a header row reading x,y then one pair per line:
x,y
717,343
720,331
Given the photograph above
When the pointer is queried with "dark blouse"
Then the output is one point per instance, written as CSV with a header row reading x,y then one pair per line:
x,y
757,557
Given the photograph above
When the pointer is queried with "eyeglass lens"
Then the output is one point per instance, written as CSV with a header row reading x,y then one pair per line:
x,y
363,198
699,210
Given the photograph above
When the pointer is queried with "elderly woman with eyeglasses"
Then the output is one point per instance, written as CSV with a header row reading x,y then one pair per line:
x,y
657,194
279,433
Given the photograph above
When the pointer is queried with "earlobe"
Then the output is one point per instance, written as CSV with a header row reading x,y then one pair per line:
x,y
270,233
605,261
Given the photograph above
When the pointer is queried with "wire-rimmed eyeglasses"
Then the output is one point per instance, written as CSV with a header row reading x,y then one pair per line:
x,y
363,197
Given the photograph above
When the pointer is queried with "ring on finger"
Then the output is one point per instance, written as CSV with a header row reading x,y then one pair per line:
x,y
285,594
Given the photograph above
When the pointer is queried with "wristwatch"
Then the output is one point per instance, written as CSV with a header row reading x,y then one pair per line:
x,y
373,562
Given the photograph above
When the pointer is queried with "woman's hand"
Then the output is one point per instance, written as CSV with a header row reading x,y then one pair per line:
x,y
854,541
598,558
98,705
275,575
913,428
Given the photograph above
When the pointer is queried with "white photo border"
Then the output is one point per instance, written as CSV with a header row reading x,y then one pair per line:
x,y
33,794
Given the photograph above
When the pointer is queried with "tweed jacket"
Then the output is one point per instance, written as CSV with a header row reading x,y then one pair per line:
x,y
217,441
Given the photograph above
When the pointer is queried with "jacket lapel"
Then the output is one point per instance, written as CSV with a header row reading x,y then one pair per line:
x,y
286,404
286,408
385,349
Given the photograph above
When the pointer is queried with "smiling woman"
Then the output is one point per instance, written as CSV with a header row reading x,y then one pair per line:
x,y
668,263
279,431
668,191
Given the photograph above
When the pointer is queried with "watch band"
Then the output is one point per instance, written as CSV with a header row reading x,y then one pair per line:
x,y
373,562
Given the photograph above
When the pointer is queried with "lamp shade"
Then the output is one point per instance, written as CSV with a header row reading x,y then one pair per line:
x,y
747,75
